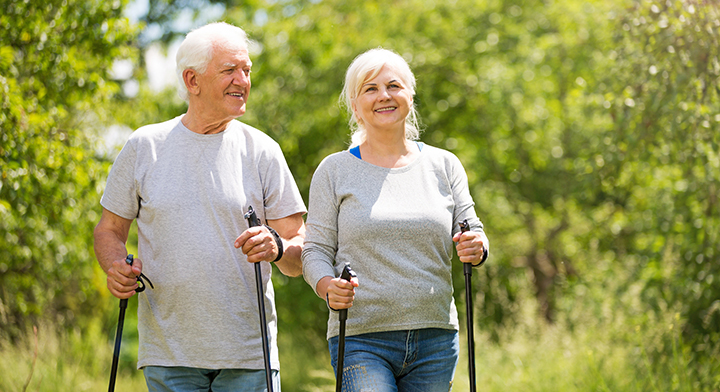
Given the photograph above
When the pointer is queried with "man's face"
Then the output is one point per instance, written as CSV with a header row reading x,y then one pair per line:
x,y
225,85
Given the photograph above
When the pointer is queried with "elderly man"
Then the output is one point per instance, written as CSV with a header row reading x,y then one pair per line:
x,y
188,182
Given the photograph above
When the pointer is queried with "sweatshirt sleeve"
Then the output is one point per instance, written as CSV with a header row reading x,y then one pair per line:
x,y
318,255
464,204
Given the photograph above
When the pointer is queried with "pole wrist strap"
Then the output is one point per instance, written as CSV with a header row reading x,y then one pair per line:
x,y
278,241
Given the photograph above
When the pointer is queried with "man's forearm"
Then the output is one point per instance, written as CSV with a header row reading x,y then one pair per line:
x,y
110,236
108,247
291,264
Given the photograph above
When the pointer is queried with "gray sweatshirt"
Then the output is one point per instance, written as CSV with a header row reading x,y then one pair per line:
x,y
394,227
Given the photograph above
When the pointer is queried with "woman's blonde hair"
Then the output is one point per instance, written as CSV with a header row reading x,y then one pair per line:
x,y
367,66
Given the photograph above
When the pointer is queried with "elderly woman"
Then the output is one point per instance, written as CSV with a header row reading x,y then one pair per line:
x,y
390,207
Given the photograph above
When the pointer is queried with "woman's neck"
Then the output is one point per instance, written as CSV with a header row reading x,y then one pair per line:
x,y
388,152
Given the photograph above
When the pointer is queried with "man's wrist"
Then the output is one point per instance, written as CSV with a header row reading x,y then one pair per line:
x,y
278,241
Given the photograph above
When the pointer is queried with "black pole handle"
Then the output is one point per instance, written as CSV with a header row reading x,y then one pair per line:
x,y
467,267
252,222
347,274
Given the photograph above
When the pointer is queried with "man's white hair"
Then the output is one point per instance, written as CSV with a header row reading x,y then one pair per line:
x,y
196,50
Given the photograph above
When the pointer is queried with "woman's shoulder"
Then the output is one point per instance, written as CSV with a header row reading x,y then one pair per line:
x,y
340,158
439,154
336,165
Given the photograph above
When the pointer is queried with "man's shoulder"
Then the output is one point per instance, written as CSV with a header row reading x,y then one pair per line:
x,y
253,134
152,131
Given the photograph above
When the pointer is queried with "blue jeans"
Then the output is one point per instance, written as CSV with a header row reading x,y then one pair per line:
x,y
185,379
421,360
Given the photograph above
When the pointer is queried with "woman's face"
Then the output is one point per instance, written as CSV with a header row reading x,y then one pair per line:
x,y
383,102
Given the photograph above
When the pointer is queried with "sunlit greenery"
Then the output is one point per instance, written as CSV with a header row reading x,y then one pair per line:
x,y
590,131
55,93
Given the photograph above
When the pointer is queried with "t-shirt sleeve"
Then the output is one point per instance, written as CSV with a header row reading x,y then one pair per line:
x,y
121,193
281,195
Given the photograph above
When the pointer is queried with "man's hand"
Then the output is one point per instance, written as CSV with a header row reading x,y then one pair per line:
x,y
122,278
258,244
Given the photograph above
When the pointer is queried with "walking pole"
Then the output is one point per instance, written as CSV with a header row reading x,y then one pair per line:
x,y
347,274
467,270
252,222
121,321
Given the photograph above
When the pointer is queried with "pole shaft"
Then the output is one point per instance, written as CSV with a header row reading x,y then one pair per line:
x,y
467,268
118,339
252,222
346,274
341,351
263,326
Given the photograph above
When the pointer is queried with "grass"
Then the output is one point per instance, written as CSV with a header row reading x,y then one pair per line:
x,y
529,359
66,361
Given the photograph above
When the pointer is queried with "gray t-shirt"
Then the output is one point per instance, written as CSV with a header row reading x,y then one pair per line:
x,y
394,227
189,193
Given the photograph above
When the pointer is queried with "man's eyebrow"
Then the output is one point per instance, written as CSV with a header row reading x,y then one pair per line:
x,y
234,65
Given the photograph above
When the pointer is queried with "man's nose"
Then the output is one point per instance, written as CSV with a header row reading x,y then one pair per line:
x,y
241,78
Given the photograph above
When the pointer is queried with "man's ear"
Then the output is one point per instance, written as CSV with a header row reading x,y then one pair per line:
x,y
191,81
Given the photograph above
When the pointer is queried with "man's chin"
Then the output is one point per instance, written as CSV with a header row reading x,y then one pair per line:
x,y
239,111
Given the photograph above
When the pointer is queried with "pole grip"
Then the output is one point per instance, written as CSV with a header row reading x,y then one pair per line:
x,y
347,274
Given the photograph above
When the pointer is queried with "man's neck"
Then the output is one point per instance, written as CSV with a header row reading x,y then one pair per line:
x,y
204,126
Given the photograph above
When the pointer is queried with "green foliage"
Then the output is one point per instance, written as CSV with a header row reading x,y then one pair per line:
x,y
54,81
664,169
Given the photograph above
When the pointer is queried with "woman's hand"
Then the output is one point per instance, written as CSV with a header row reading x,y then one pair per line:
x,y
339,293
470,247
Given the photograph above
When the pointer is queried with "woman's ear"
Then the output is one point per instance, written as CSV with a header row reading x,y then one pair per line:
x,y
358,119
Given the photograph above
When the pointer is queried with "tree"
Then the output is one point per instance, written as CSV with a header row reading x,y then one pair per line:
x,y
664,165
55,87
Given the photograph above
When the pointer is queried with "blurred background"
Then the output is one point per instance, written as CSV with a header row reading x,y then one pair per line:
x,y
589,130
